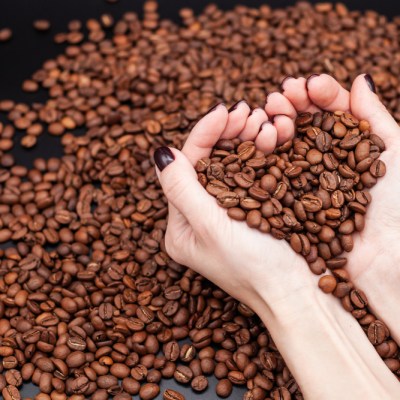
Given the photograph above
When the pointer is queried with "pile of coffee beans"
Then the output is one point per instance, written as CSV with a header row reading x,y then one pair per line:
x,y
312,191
91,306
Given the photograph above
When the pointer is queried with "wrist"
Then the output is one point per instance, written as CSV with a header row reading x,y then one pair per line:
x,y
381,282
313,326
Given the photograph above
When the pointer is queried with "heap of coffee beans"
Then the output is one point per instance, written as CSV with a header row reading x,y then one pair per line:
x,y
312,191
91,306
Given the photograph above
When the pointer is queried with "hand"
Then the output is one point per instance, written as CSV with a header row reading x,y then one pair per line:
x,y
374,262
244,262
265,273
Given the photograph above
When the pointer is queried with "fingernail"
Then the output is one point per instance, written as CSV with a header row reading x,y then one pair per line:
x,y
309,79
282,83
263,124
163,156
370,82
213,108
236,105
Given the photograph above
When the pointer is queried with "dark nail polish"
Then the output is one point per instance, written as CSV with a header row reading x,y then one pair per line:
x,y
309,79
370,82
263,124
282,83
236,105
163,156
213,108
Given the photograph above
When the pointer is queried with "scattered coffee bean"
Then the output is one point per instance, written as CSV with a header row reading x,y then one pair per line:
x,y
41,25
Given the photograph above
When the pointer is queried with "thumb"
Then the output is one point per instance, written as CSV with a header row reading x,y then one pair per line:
x,y
181,186
365,104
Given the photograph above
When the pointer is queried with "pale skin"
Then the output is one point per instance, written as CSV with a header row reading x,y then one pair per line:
x,y
324,347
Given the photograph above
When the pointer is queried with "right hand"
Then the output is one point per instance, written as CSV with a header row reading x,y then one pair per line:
x,y
374,263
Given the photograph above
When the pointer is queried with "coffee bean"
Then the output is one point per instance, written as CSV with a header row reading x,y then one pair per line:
x,y
183,374
377,169
13,377
358,298
327,283
377,332
199,383
149,391
171,394
223,388
228,199
41,24
5,35
311,203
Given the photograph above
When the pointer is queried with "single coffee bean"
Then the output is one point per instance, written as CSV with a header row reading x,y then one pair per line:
x,y
223,388
199,383
41,24
149,391
10,392
327,283
377,332
183,374
171,394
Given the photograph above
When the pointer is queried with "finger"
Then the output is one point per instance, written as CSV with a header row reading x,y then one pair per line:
x,y
237,120
365,104
205,134
295,91
267,138
277,103
285,128
180,185
253,123
327,93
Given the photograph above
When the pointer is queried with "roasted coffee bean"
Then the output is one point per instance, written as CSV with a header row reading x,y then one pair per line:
x,y
13,377
171,394
183,374
199,383
327,283
41,24
377,332
224,388
149,391
10,392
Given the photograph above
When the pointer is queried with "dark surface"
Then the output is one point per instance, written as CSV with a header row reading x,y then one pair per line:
x,y
27,50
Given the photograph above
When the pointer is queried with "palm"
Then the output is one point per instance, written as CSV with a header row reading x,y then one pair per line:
x,y
382,221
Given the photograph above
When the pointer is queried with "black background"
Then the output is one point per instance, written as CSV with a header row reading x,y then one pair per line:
x,y
27,50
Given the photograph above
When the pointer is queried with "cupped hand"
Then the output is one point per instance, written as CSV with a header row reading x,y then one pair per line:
x,y
374,262
251,266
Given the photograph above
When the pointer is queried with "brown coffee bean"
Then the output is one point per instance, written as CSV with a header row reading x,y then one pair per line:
x,y
41,25
13,377
199,383
237,213
327,283
5,35
149,391
183,374
228,199
223,388
377,169
377,332
171,394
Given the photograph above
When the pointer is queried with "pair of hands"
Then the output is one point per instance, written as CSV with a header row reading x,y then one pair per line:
x,y
254,267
